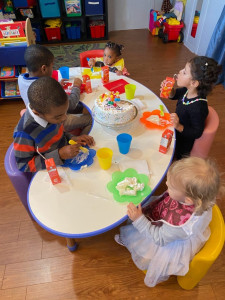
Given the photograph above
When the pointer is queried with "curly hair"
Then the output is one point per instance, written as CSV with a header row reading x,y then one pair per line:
x,y
45,93
117,48
205,70
199,180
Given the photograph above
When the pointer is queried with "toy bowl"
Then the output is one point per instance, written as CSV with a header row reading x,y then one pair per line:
x,y
164,121
76,166
120,176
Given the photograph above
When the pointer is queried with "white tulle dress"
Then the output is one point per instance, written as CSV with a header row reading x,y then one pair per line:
x,y
167,249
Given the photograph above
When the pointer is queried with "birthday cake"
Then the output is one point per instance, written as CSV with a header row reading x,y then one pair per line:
x,y
109,109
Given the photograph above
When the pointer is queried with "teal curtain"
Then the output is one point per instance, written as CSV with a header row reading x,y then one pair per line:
x,y
216,48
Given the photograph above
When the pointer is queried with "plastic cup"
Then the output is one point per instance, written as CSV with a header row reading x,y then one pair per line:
x,y
104,156
124,141
64,72
130,91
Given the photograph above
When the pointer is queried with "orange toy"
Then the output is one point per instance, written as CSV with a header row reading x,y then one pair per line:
x,y
153,119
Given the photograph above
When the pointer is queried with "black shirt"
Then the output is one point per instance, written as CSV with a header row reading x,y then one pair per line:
x,y
192,117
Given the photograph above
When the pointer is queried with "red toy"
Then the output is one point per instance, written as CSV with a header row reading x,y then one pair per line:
x,y
172,32
165,140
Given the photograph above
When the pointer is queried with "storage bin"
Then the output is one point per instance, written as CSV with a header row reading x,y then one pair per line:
x,y
73,32
73,8
93,7
14,84
37,33
97,31
24,3
49,8
53,33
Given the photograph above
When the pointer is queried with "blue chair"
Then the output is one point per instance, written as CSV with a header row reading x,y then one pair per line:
x,y
20,180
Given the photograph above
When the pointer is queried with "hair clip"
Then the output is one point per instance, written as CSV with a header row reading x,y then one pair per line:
x,y
206,64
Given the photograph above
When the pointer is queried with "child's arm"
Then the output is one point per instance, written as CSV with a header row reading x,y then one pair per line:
x,y
74,97
161,235
27,158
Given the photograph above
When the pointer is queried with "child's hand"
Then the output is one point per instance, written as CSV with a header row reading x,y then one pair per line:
x,y
63,81
175,121
133,211
119,73
91,62
84,140
77,82
69,151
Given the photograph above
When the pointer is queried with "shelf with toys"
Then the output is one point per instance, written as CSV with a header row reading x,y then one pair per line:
x,y
8,81
56,21
14,39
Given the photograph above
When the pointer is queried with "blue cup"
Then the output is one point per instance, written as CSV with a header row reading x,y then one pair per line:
x,y
124,141
64,72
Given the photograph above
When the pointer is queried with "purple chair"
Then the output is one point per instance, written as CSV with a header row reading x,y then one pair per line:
x,y
20,180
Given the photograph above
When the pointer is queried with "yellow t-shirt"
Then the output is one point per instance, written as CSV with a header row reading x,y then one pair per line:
x,y
119,64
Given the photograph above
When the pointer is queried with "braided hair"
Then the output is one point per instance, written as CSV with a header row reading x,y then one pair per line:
x,y
117,48
205,70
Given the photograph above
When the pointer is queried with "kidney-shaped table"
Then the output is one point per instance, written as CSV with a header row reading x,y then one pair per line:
x,y
81,206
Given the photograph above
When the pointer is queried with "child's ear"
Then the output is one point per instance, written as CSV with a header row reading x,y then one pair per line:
x,y
188,201
195,83
43,69
36,112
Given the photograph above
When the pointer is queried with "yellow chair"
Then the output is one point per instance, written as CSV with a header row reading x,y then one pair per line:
x,y
208,254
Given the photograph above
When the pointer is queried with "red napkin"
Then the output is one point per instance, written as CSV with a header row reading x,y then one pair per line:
x,y
116,86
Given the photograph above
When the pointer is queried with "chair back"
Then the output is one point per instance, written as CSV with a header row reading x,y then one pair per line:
x,y
203,144
20,180
203,260
89,54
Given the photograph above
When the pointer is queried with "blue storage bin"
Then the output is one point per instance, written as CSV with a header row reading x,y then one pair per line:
x,y
93,7
3,91
73,32
49,8
38,34
24,3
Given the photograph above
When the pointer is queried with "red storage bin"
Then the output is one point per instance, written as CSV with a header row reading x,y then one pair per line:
x,y
172,31
53,33
97,31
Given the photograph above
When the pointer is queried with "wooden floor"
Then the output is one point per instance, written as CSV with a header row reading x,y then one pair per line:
x,y
34,264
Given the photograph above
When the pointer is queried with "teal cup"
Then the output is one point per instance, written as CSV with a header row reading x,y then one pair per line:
x,y
124,142
64,72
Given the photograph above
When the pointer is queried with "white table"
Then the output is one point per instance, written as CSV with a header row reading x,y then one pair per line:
x,y
81,205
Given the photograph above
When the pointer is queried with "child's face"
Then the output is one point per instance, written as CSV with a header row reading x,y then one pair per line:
x,y
57,114
184,78
109,57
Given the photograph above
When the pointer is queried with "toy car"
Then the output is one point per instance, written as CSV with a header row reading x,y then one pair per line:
x,y
172,32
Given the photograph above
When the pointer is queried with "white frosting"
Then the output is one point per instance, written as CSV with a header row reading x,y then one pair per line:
x,y
129,186
109,111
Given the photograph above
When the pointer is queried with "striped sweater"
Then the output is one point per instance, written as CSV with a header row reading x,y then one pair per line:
x,y
28,135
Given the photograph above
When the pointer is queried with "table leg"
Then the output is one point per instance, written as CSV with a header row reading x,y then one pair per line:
x,y
71,244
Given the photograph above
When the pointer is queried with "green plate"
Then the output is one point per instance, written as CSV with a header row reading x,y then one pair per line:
x,y
119,176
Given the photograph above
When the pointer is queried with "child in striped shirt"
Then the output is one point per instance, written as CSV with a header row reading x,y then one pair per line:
x,y
41,128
